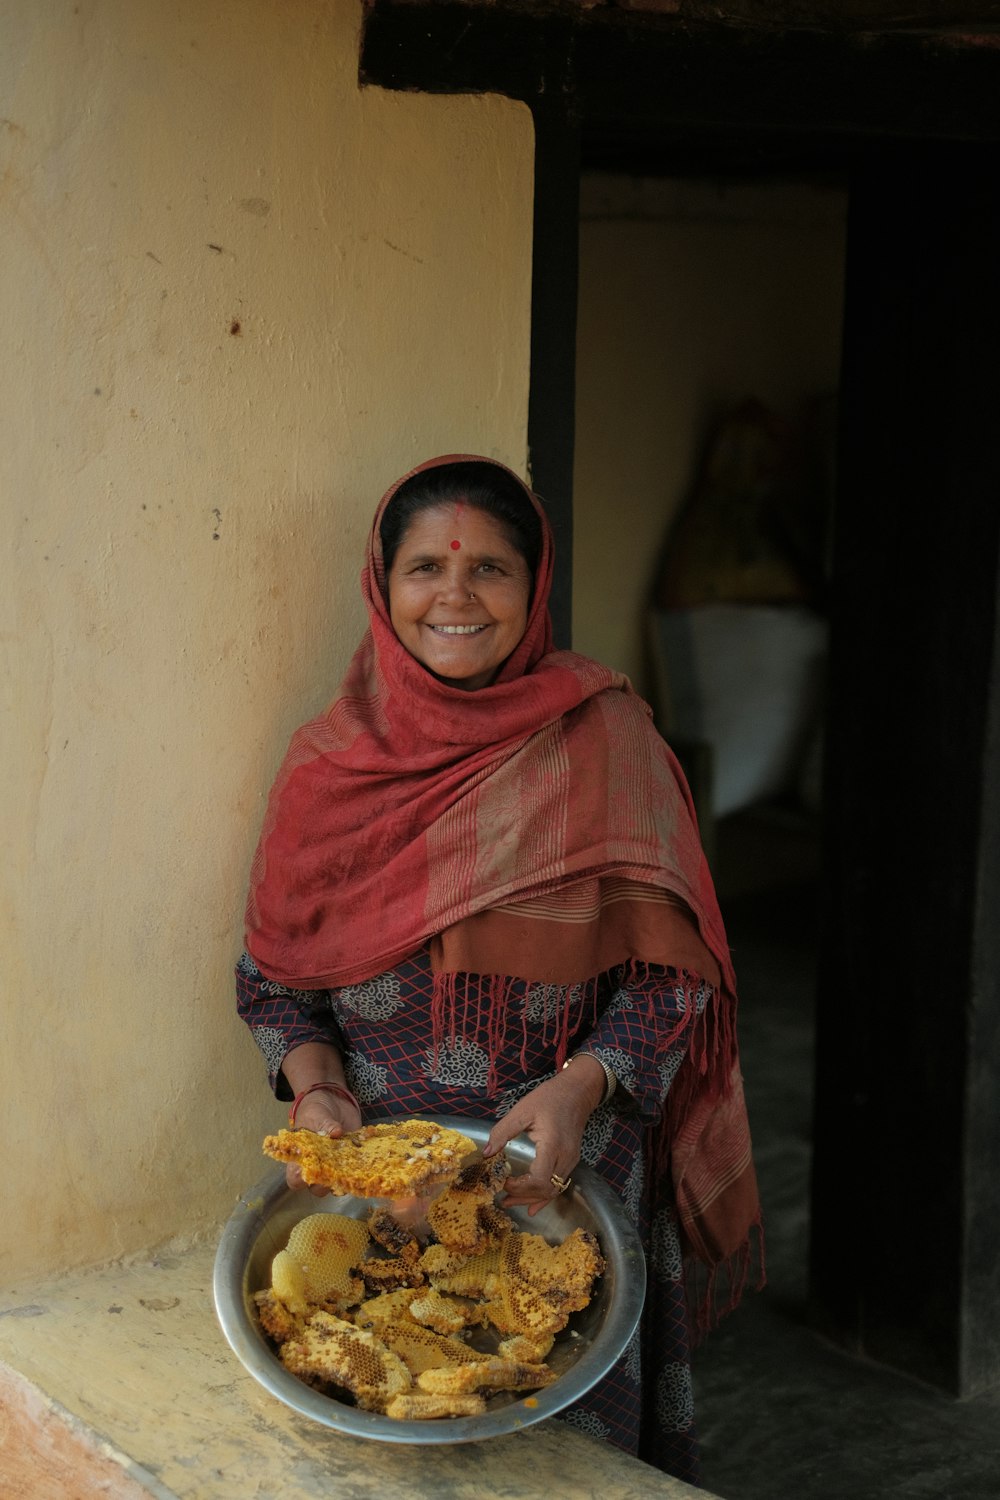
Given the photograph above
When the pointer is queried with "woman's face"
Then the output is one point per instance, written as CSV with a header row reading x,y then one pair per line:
x,y
458,594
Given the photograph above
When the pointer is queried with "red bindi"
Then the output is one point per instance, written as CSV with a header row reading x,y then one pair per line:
x,y
455,546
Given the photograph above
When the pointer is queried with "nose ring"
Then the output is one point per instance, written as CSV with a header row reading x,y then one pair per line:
x,y
472,596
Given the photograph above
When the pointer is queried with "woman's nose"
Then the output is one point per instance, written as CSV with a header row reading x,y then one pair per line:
x,y
455,586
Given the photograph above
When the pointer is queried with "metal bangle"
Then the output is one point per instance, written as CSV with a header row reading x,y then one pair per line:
x,y
611,1081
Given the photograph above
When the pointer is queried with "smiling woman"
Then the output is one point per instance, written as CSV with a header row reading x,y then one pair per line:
x,y
479,891
459,609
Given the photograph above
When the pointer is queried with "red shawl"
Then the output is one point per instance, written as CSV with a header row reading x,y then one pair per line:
x,y
537,829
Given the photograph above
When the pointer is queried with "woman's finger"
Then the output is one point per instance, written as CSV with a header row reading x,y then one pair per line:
x,y
503,1132
293,1180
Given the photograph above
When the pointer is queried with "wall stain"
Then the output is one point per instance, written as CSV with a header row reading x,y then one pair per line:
x,y
259,206
400,251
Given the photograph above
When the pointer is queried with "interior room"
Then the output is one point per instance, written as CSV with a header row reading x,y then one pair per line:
x,y
709,347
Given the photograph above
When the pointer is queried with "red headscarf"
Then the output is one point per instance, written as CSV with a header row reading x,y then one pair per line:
x,y
538,828
410,805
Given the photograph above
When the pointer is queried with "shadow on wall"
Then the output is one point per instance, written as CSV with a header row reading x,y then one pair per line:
x,y
737,631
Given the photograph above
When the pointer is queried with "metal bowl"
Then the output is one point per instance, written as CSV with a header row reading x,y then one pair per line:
x,y
582,1353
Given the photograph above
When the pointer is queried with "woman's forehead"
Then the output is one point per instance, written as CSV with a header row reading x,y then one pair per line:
x,y
455,525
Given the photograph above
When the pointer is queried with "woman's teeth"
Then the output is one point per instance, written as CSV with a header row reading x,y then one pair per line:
x,y
458,629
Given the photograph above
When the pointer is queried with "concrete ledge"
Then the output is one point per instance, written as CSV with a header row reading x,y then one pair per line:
x,y
119,1383
46,1451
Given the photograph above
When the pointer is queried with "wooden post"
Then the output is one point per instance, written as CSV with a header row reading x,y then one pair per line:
x,y
906,1191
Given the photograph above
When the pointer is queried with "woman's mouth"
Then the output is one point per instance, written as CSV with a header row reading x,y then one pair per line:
x,y
457,629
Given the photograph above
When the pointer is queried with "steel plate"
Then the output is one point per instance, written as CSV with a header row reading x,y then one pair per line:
x,y
582,1353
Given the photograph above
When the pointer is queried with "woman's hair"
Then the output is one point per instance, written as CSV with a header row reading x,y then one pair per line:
x,y
484,486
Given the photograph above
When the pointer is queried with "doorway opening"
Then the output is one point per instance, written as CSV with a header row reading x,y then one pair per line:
x,y
708,362
708,355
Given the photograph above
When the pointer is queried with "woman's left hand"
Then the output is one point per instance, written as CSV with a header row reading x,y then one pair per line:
x,y
553,1115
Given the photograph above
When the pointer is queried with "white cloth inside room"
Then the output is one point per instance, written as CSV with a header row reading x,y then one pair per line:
x,y
748,680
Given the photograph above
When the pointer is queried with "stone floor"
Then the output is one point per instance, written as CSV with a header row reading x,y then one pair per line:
x,y
783,1413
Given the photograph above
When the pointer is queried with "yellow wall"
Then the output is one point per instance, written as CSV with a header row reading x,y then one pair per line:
x,y
184,515
693,296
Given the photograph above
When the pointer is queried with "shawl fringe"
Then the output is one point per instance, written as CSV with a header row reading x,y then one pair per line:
x,y
717,1268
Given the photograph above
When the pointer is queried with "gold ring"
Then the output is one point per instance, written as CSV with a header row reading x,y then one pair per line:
x,y
560,1183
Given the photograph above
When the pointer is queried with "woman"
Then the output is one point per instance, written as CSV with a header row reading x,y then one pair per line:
x,y
479,891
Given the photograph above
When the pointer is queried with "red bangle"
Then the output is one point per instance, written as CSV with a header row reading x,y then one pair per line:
x,y
331,1088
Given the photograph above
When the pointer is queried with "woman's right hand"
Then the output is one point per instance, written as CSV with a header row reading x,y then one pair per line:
x,y
326,1114
323,1111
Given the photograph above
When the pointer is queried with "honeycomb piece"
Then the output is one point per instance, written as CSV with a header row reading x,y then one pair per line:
x,y
516,1307
390,1275
420,1406
527,1351
288,1282
386,1230
377,1161
539,1285
494,1223
335,1352
443,1314
323,1249
422,1349
471,1277
388,1307
568,1269
493,1374
276,1319
464,1217
436,1261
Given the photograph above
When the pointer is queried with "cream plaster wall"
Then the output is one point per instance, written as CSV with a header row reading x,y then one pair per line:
x,y
185,507
693,295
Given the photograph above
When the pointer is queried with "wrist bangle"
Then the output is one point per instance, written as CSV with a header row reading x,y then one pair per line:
x,y
611,1082
331,1088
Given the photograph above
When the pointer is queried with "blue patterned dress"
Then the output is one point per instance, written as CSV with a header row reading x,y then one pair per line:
x,y
383,1029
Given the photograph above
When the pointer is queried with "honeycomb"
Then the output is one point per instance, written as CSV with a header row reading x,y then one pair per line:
x,y
443,1314
419,1406
325,1249
288,1283
337,1353
422,1349
516,1307
386,1230
569,1268
378,1161
389,1307
464,1217
276,1319
390,1275
526,1350
466,1278
495,1374
351,1319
